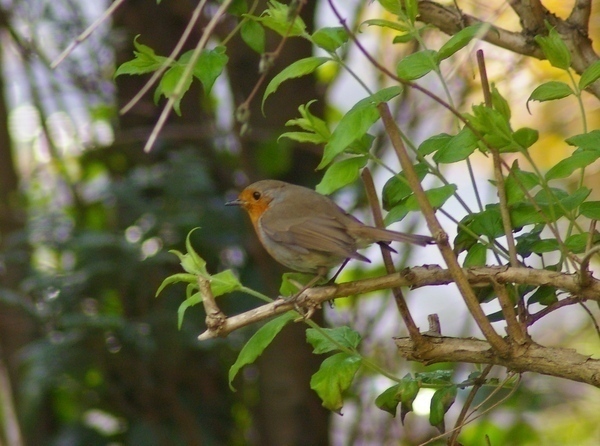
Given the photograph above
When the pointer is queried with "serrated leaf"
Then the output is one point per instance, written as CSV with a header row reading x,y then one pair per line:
x,y
458,41
550,91
340,174
441,401
328,340
299,68
253,34
416,65
330,39
355,123
555,49
567,166
258,343
500,103
333,378
145,61
277,18
476,256
590,209
590,75
458,148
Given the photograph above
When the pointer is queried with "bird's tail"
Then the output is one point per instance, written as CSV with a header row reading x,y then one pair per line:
x,y
385,235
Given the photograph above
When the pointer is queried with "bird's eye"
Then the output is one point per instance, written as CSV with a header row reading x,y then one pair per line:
x,y
256,195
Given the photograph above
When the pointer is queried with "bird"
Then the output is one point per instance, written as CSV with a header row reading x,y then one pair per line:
x,y
308,232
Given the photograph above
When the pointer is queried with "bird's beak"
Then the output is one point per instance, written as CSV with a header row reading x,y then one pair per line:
x,y
236,202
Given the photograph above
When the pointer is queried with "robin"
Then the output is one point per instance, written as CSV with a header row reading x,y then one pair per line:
x,y
306,231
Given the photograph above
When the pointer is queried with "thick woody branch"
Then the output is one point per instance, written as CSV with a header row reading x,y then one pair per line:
x,y
532,13
410,277
559,362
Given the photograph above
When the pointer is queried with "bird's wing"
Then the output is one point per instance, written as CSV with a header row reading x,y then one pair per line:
x,y
309,233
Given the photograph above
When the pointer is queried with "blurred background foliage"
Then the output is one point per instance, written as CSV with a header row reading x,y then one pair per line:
x,y
88,355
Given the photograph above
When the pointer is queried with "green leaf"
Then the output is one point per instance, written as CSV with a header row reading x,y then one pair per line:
x,y
168,85
341,174
327,340
389,399
476,256
590,75
175,278
330,39
575,199
550,91
194,299
224,282
299,68
355,123
145,61
516,179
436,196
458,148
577,243
416,65
393,6
209,66
567,166
253,34
441,401
586,141
397,189
303,137
500,104
288,287
458,41
258,342
398,26
544,295
277,18
526,137
409,389
434,143
590,209
555,49
545,245
333,378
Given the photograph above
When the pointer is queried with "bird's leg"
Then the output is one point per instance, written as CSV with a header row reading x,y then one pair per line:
x,y
337,273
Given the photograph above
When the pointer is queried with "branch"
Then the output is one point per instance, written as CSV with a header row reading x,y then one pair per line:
x,y
559,362
411,277
573,31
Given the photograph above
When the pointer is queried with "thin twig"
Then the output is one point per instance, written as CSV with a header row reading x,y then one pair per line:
x,y
167,63
178,91
412,328
460,421
438,232
84,35
585,276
